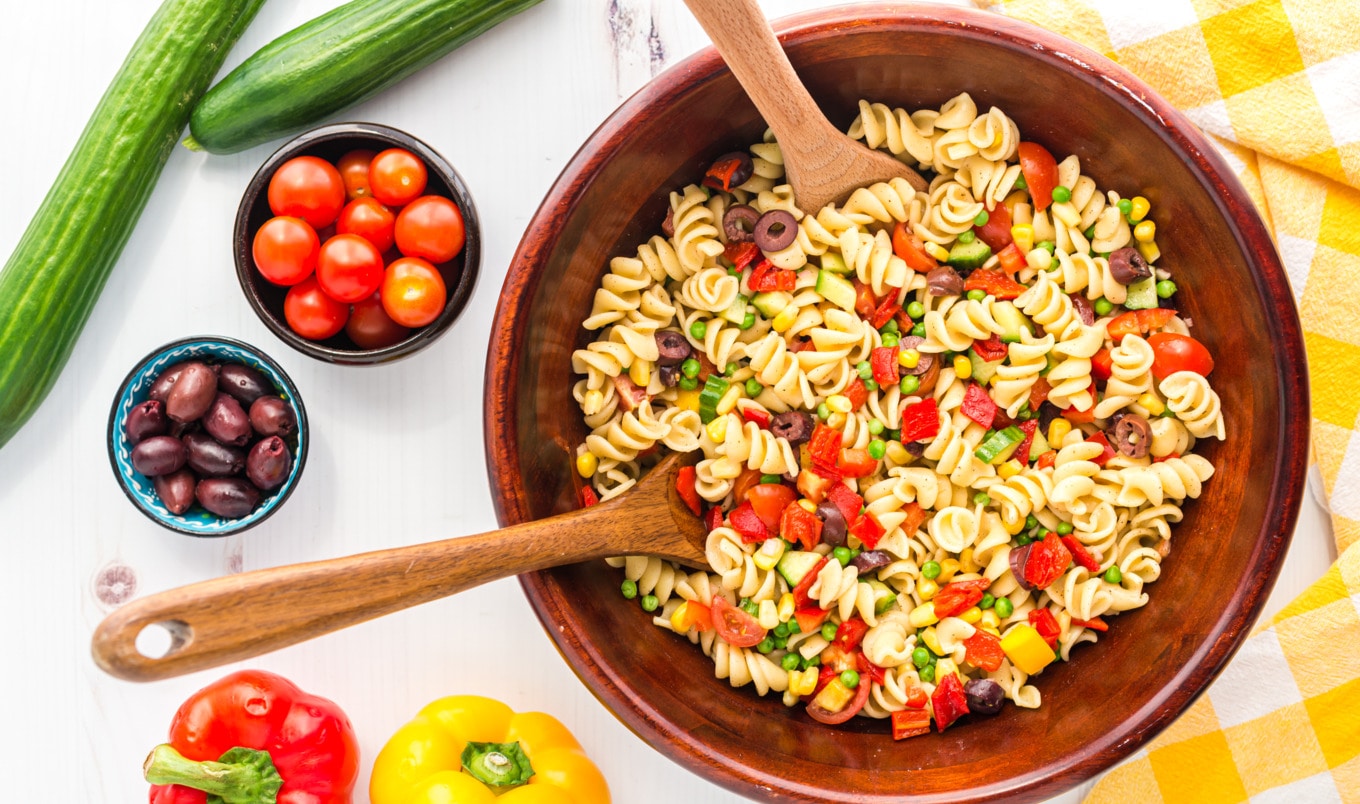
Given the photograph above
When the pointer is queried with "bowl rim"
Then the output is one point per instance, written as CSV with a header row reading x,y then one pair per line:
x,y
113,437
1232,203
458,296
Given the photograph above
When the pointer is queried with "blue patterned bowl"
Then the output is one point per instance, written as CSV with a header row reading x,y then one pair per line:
x,y
139,488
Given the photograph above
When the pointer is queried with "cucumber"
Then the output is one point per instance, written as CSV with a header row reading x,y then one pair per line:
x,y
834,263
998,447
334,61
1038,446
52,280
837,290
1142,294
796,564
736,313
982,370
1013,322
884,596
715,388
771,303
968,256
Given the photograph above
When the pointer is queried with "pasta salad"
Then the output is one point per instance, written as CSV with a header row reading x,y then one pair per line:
x,y
945,433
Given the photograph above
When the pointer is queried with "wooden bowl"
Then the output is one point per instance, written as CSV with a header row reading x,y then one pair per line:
x,y
330,143
1114,696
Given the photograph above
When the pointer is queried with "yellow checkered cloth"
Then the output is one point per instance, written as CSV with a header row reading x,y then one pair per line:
x,y
1276,84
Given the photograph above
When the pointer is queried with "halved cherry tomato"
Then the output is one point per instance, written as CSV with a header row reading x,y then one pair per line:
x,y
413,292
1041,173
735,626
685,487
996,232
370,327
285,250
851,709
369,219
309,188
1102,365
431,227
353,168
747,480
769,501
1172,353
865,300
349,268
311,313
397,177
908,246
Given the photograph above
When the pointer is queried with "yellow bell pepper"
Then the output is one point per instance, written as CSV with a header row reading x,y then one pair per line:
x,y
466,749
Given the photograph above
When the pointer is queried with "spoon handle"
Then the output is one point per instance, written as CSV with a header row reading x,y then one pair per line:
x,y
240,616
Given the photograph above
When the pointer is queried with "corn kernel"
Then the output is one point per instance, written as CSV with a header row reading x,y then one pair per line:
x,y
932,641
1145,232
586,464
966,561
840,403
785,319
897,453
806,683
1008,469
948,568
769,612
1140,208
971,616
678,619
786,607
989,619
807,505
771,550
688,400
640,373
1152,404
1026,649
945,667
592,402
1058,430
923,615
963,367
908,358
1066,213
1023,235
937,251
836,421
717,429
729,400
927,588
1149,251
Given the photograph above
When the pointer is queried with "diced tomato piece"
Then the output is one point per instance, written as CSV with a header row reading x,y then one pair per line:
x,y
706,367
760,417
846,501
811,618
865,300
920,421
883,361
1038,393
1095,624
1166,457
1012,259
850,633
978,405
982,650
1102,364
868,531
766,277
856,393
1047,625
1028,427
813,486
734,625
802,345
959,596
1080,554
800,592
994,283
1048,560
684,486
800,526
720,175
1046,460
868,669
714,518
1121,325
748,524
949,701
1079,416
747,480
1107,451
910,723
825,445
588,497
856,463
741,254
996,232
916,516
886,310
1041,173
769,500
909,247
630,395
990,350
1138,322
1154,318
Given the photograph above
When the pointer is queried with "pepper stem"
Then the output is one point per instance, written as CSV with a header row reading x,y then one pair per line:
x,y
497,764
240,776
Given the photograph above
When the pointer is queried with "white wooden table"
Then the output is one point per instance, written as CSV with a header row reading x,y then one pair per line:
x,y
396,456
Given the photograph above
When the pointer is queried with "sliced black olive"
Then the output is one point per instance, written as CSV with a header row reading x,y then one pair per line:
x,y
944,281
776,230
1085,311
672,346
739,223
670,375
1128,266
794,426
871,560
833,524
924,363
1132,435
668,225
915,448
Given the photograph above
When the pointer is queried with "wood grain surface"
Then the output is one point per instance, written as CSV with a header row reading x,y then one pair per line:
x,y
396,457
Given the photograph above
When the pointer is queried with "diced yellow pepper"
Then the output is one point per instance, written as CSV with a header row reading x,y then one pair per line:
x,y
688,400
932,641
963,367
1149,251
908,358
927,588
971,616
989,619
1140,208
937,251
1057,431
786,607
1026,649
785,319
945,667
834,697
717,429
947,569
1009,469
840,403
586,464
923,615
1145,231
1023,235
679,619
640,373
1152,404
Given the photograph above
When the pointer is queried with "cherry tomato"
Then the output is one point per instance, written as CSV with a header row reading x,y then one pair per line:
x,y
769,501
735,626
370,327
747,480
353,168
396,177
308,188
1041,173
413,292
370,220
1172,353
311,313
817,713
996,232
285,250
431,227
909,247
349,268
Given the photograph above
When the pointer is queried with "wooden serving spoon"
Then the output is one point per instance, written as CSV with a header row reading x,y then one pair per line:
x,y
823,165
239,616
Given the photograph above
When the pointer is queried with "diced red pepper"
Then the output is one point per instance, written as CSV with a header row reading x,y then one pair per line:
x,y
883,361
996,232
1154,318
909,247
886,310
856,393
1047,625
916,516
802,345
1028,427
1046,460
920,421
869,670
1107,451
856,463
982,650
720,175
741,254
813,486
990,350
846,501
1166,457
1038,393
949,701
800,526
825,445
978,405
588,497
830,473
1102,365
1138,322
868,531
1095,624
684,486
766,277
811,618
1080,554
696,616
959,596
760,417
1048,560
746,522
865,300
993,283
850,633
800,592
910,723
1012,259
1079,416
714,518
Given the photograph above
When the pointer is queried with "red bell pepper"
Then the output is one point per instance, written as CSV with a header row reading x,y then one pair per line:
x,y
810,618
949,701
814,486
993,283
868,531
799,525
1047,625
850,633
1138,322
766,277
1166,457
883,361
1102,365
1095,624
825,445
990,350
1047,460
982,650
714,518
1028,427
1041,173
741,254
856,463
253,733
746,522
978,405
846,501
1080,554
959,596
1079,416
910,723
886,310
869,670
760,417
720,175
920,421
588,497
916,516
801,600
685,486
1046,562
996,232
1038,393
909,247
856,393
1107,451
1012,259
865,300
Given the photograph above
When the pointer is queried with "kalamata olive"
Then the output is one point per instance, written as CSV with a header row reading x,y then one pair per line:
x,y
192,394
1132,435
243,382
729,171
1047,413
739,223
270,415
833,524
871,560
1085,311
227,421
268,463
915,448
210,458
775,230
146,420
160,389
928,380
158,455
176,490
1018,557
944,281
1128,266
670,375
793,426
672,348
984,696
923,363
231,497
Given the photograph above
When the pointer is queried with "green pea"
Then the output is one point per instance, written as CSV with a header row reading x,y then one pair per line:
x,y
781,642
1102,306
931,570
920,657
967,236
981,219
766,645
892,435
1048,245
977,295
1090,231
910,383
781,630
794,628
891,339
1113,575
790,661
850,679
823,412
829,631
841,554
987,601
875,427
865,370
854,551
1125,206
877,449
688,383
753,388
1004,607
891,326
1023,540
729,369
1166,289
690,368
981,498
1020,183
919,331
733,272
927,674
767,479
1025,412
1062,194
916,309
1064,528
815,661
698,329
750,606
748,322
1031,523
649,603
629,589
871,385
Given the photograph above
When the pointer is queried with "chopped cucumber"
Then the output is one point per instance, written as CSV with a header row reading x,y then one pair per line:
x,y
969,255
834,263
836,290
715,388
1039,445
1142,294
772,303
999,446
1013,322
982,370
737,312
884,596
796,564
